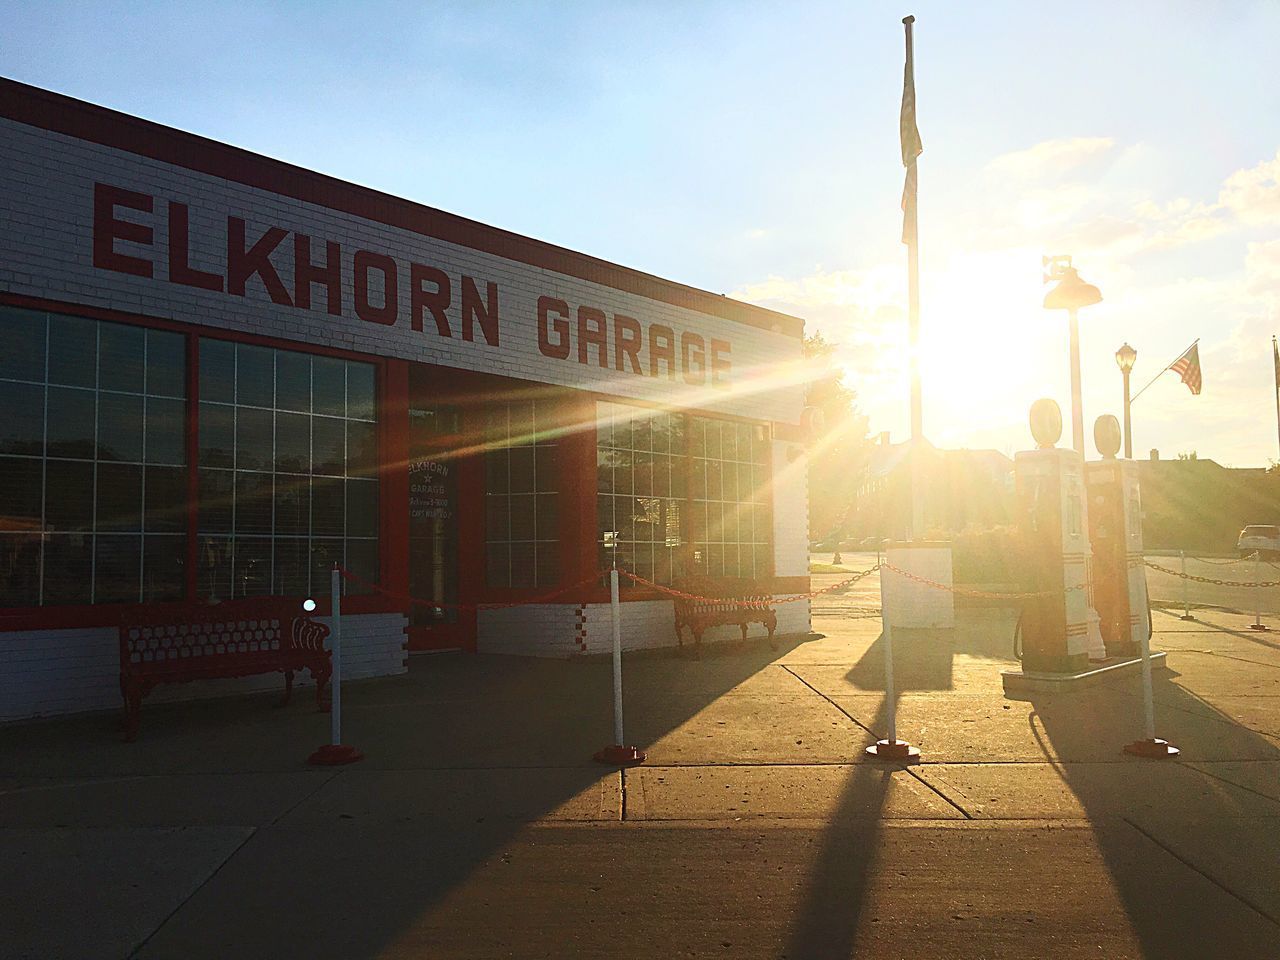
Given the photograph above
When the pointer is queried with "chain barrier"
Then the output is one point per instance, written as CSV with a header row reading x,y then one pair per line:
x,y
761,602
980,594
1213,580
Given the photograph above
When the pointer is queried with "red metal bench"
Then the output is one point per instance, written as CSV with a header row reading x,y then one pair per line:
x,y
726,602
233,639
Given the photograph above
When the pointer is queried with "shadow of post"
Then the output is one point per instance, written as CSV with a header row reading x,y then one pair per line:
x,y
1162,825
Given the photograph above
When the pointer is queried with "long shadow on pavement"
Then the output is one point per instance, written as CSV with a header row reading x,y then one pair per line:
x,y
462,754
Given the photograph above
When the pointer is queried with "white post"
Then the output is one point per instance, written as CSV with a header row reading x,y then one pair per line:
x,y
1257,594
1186,589
616,611
335,681
891,707
1148,701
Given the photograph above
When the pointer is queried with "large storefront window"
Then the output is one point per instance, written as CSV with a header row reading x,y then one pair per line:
x,y
522,537
732,525
679,494
288,470
641,471
92,461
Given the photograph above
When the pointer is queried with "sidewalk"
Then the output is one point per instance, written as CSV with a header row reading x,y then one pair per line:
x,y
477,827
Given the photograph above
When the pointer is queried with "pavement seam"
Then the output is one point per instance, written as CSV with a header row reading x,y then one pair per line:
x,y
1199,767
855,720
253,832
294,806
1187,863
622,785
963,812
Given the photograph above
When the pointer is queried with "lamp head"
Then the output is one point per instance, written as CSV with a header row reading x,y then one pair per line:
x,y
309,605
1125,357
1071,293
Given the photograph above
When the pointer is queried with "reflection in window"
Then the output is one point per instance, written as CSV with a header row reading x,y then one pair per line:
x,y
731,524
640,483
682,494
92,461
288,472
522,539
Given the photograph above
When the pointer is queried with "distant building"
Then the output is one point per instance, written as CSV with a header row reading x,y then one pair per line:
x,y
963,489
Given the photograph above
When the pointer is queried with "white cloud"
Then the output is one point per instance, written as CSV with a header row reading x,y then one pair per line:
x,y
1253,195
1051,158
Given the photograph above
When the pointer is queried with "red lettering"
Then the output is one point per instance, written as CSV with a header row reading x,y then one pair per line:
x,y
720,362
627,340
243,264
180,269
107,229
364,262
662,347
693,360
593,336
420,299
305,273
472,311
560,349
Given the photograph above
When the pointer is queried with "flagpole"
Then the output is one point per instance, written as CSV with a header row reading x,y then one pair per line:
x,y
1164,371
1275,359
910,229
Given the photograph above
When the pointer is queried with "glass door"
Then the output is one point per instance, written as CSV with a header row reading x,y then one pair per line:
x,y
433,526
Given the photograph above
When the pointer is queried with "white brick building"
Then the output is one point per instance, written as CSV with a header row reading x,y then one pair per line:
x,y
223,374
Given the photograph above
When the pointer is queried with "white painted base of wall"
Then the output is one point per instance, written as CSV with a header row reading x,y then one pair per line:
x,y
45,673
909,604
566,630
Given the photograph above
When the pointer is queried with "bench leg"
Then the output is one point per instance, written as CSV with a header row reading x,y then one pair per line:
x,y
772,625
743,627
288,689
697,642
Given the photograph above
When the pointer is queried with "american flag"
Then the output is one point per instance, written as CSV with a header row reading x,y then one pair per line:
x,y
1187,367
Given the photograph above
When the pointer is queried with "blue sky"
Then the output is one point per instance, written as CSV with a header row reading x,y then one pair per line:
x,y
751,149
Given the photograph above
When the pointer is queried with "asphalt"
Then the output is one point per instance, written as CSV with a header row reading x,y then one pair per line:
x,y
477,826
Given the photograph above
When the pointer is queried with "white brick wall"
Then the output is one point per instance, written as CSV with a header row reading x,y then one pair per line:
x,y
790,510
548,630
47,183
49,672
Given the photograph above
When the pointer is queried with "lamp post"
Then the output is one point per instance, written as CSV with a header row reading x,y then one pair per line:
x,y
1124,359
1071,294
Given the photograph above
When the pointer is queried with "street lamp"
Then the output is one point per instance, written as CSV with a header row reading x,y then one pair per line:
x,y
1071,294
1124,360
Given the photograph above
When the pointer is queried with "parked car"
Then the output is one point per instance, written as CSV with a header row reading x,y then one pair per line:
x,y
1261,538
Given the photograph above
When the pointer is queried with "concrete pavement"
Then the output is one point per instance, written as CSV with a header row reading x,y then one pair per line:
x,y
478,828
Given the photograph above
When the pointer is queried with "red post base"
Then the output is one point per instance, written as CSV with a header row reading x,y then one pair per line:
x,y
898,750
1186,616
335,754
1156,749
619,756
1258,626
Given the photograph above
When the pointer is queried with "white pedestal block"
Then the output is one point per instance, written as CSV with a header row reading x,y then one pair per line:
x,y
909,603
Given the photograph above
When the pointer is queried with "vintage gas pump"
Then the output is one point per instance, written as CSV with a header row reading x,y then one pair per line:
x,y
1115,529
1052,522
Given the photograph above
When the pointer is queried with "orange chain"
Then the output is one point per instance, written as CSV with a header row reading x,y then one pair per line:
x,y
983,594
747,602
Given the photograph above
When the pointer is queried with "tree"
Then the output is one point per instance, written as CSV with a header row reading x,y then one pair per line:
x,y
840,448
